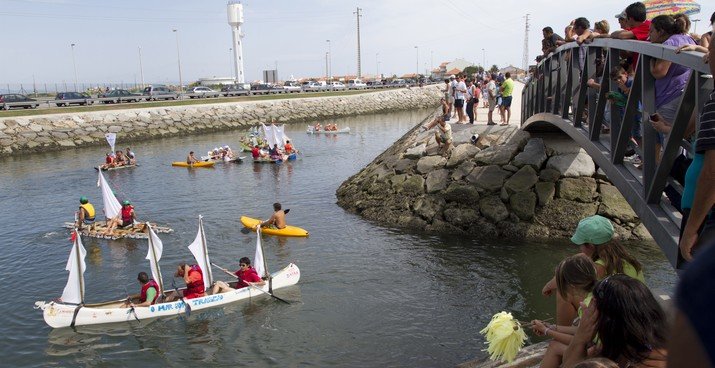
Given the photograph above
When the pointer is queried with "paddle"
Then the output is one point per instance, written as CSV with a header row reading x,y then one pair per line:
x,y
131,305
245,230
249,284
176,290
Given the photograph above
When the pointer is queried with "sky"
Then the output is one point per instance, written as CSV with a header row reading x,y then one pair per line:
x,y
291,34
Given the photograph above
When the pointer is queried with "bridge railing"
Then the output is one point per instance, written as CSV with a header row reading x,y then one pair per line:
x,y
558,95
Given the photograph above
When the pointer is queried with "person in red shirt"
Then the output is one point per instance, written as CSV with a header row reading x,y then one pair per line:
x,y
246,275
636,27
194,280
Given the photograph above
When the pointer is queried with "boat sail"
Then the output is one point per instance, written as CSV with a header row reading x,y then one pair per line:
x,y
75,312
201,254
111,203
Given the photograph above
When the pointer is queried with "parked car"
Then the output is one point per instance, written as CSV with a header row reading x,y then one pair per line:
x,y
200,92
265,88
336,86
120,95
235,90
69,98
398,83
356,84
159,92
291,87
313,86
10,100
375,84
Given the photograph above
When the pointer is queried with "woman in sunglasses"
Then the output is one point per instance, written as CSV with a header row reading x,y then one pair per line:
x,y
595,237
246,276
630,324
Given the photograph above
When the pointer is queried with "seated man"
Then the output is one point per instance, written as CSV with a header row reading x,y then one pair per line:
x,y
246,275
255,152
120,160
288,148
149,292
108,161
191,159
317,127
126,218
194,280
277,220
131,157
86,213
443,135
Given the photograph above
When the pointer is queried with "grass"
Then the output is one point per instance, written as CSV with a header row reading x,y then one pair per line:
x,y
197,101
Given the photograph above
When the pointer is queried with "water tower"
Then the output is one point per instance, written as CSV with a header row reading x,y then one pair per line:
x,y
235,20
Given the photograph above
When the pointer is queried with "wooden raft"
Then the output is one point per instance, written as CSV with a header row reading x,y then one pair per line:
x,y
134,232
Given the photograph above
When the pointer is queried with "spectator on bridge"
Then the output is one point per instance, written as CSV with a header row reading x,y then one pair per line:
x,y
551,40
635,26
670,78
601,27
705,38
704,197
620,97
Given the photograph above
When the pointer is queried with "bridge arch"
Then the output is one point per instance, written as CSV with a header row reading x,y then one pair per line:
x,y
558,97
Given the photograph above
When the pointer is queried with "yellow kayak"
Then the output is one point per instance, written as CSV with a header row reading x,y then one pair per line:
x,y
198,164
287,231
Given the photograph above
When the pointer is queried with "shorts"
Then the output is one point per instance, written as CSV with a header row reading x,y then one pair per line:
x,y
127,223
458,103
88,221
506,101
492,104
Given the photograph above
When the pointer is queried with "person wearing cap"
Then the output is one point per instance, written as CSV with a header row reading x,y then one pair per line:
x,y
86,213
595,237
126,218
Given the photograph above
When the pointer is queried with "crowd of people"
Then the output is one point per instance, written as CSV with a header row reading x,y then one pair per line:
x,y
119,158
604,310
462,95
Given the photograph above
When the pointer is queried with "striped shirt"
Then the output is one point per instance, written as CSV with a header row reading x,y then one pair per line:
x,y
706,133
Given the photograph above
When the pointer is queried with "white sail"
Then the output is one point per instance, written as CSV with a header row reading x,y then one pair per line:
x,y
74,290
258,260
154,255
111,203
268,134
111,139
199,250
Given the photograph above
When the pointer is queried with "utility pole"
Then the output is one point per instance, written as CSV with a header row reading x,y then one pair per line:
x,y
141,67
525,59
326,67
178,58
358,15
377,64
75,68
34,85
330,61
417,64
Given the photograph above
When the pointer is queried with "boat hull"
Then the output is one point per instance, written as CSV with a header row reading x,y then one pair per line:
x,y
135,232
58,315
339,131
115,168
198,164
287,231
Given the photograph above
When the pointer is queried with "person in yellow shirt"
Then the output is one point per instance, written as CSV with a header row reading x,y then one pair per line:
x,y
507,89
86,213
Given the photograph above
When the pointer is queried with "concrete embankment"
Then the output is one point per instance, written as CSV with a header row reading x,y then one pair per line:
x,y
508,184
65,131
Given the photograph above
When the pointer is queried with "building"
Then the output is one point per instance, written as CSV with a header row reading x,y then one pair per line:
x,y
514,71
213,81
447,68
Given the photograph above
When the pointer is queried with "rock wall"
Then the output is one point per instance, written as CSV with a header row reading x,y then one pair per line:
x,y
508,184
63,131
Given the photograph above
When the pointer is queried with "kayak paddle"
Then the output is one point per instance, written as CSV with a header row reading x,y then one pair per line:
x,y
181,297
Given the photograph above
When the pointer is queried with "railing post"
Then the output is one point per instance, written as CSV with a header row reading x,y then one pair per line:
x,y
600,109
650,136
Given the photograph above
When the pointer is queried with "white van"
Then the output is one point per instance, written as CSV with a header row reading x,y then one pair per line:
x,y
356,84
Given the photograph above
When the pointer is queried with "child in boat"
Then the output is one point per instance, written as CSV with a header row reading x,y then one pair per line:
x,y
575,279
131,157
317,127
126,218
120,160
246,275
108,161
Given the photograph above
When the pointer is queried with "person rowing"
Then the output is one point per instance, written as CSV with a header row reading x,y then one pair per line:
x,y
246,275
120,159
277,220
149,292
191,159
131,157
86,213
126,219
317,127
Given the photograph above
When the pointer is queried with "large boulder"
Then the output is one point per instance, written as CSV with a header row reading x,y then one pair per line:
x,y
404,165
534,154
572,165
490,177
522,181
461,217
545,192
577,189
416,152
564,215
428,207
437,180
523,204
497,155
413,185
614,206
493,209
549,175
461,153
462,170
430,163
461,193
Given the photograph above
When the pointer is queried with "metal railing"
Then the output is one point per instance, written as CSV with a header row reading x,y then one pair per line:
x,y
558,96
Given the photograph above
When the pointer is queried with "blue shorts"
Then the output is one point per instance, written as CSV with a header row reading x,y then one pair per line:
x,y
88,221
506,101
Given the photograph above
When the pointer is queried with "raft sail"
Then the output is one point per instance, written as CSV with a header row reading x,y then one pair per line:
x,y
156,247
201,254
74,290
111,203
259,262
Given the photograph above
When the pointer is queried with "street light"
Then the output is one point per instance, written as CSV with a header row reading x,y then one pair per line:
x,y
417,71
141,67
74,64
178,58
330,61
230,59
377,63
484,60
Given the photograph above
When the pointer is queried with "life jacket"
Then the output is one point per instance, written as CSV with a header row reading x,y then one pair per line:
x,y
89,209
109,159
127,213
255,152
145,287
249,275
196,288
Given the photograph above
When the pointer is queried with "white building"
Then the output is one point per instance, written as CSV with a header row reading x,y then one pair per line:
x,y
216,80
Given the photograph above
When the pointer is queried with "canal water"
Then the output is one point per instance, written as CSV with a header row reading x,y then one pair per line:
x,y
369,295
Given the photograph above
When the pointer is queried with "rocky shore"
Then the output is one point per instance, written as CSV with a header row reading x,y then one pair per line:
x,y
66,131
508,184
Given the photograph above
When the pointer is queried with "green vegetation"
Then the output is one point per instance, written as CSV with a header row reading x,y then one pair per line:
x,y
200,101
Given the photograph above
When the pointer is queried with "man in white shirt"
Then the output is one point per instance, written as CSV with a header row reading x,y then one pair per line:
x,y
459,95
452,89
492,93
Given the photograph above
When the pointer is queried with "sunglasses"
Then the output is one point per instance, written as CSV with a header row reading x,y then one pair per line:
x,y
243,265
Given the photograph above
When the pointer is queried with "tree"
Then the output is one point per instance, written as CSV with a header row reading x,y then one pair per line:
x,y
480,69
470,70
494,69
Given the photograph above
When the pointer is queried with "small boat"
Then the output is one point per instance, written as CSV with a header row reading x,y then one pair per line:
x,y
266,160
71,310
311,130
237,159
198,164
115,167
287,231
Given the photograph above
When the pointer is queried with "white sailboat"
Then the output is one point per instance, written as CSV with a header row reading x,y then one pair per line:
x,y
111,209
71,310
